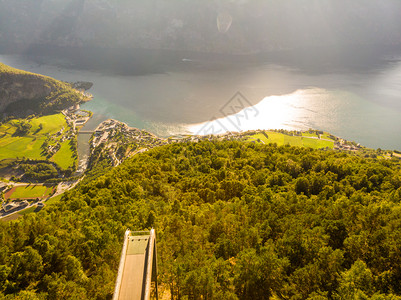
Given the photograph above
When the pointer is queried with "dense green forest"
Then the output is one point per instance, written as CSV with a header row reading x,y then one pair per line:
x,y
233,220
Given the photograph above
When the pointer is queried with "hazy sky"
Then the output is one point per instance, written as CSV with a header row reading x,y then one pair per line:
x,y
255,26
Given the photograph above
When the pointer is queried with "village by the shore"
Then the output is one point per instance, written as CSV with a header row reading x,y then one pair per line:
x,y
116,141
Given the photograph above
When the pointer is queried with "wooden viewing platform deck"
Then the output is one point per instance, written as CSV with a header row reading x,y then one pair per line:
x,y
138,267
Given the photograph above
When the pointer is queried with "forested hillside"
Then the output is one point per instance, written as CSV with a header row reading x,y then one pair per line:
x,y
24,93
233,220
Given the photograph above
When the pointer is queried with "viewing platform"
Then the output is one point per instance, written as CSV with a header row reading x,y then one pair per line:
x,y
137,273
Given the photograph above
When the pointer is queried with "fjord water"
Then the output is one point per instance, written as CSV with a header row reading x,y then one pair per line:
x,y
180,94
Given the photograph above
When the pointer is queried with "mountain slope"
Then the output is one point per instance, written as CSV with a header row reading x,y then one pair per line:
x,y
23,93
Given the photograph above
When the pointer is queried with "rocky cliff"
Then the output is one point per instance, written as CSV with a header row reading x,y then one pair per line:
x,y
23,93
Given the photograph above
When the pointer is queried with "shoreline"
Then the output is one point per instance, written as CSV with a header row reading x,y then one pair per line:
x,y
388,138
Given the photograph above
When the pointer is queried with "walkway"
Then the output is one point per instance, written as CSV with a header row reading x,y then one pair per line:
x,y
138,267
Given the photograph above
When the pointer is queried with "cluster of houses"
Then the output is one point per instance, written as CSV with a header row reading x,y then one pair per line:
x,y
113,134
106,130
53,142
75,117
52,149
8,207
13,206
110,130
197,138
344,145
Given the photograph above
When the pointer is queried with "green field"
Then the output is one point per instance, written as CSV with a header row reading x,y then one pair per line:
x,y
306,140
13,147
28,210
54,200
64,157
5,162
30,191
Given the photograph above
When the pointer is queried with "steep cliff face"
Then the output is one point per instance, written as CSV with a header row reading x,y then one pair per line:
x,y
254,26
16,87
23,93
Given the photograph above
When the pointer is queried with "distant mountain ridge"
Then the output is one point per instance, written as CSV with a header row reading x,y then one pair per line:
x,y
23,93
257,26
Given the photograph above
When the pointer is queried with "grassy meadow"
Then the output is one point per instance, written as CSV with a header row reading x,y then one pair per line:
x,y
306,140
29,145
64,156
29,192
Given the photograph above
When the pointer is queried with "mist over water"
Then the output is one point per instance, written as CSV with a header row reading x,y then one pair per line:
x,y
360,102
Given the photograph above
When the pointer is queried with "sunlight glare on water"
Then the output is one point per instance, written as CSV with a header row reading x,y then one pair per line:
x,y
291,111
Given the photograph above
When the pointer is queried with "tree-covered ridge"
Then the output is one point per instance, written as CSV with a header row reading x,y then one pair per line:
x,y
10,70
23,93
233,221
